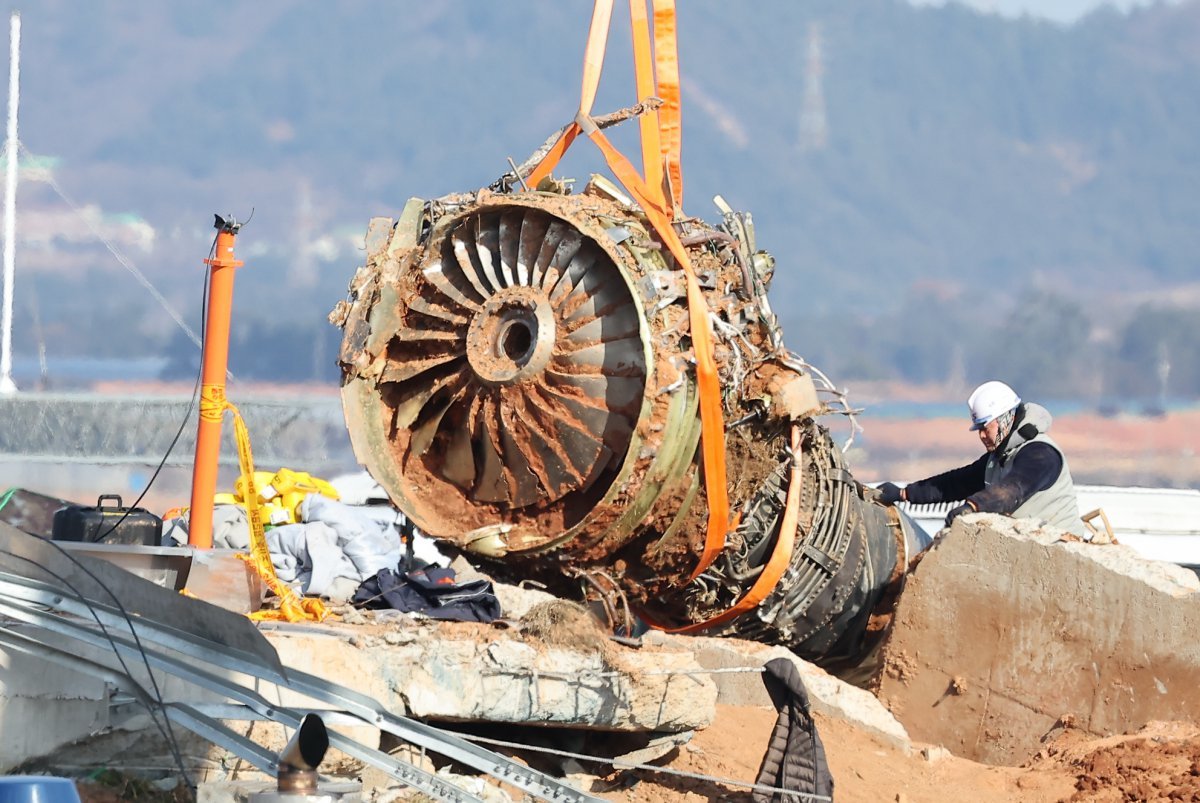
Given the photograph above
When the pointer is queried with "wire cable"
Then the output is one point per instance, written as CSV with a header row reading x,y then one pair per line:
x,y
112,249
626,765
165,728
187,415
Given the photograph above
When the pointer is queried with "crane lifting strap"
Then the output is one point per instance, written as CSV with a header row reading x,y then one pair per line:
x,y
666,73
781,554
659,212
643,68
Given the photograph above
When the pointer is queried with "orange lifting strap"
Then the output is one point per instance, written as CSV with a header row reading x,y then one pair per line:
x,y
666,71
593,65
659,210
643,66
781,555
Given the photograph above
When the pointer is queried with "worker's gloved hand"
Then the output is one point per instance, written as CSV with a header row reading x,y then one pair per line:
x,y
965,507
889,493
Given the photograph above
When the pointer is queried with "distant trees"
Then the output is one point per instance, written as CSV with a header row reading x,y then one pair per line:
x,y
1044,344
279,351
1158,355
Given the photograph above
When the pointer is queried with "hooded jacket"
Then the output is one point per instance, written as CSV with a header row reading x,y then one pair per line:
x,y
1056,504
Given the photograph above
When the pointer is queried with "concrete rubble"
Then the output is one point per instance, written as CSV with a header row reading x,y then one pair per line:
x,y
1005,629
1004,633
418,668
827,694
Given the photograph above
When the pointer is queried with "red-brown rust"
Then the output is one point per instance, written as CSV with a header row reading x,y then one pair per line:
x,y
535,417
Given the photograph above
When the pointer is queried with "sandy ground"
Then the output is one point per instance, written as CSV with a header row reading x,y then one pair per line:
x,y
1159,763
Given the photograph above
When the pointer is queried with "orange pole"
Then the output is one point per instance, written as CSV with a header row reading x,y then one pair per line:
x,y
212,383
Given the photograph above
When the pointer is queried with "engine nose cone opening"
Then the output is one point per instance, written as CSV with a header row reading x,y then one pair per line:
x,y
512,337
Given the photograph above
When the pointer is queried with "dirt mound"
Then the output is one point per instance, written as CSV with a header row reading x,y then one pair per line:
x,y
565,624
1160,762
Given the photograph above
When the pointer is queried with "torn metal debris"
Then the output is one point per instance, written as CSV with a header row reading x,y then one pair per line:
x,y
519,376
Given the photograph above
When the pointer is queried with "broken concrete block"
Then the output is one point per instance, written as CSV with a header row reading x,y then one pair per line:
x,y
515,601
44,706
1003,628
656,748
511,680
249,791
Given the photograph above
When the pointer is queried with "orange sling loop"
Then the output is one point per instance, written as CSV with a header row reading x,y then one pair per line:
x,y
550,160
593,65
781,555
712,424
643,67
666,72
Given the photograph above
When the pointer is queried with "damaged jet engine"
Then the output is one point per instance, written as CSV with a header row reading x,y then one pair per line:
x,y
519,377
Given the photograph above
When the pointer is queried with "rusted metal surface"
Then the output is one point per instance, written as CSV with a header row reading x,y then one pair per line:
x,y
518,376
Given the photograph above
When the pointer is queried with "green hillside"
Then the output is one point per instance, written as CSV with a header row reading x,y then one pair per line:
x,y
971,160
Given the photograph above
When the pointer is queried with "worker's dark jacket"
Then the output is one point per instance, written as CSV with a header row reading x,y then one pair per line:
x,y
1026,477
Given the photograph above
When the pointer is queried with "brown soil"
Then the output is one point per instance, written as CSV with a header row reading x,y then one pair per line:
x,y
1159,763
565,624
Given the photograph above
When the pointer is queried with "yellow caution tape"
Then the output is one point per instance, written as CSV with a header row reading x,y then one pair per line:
x,y
292,607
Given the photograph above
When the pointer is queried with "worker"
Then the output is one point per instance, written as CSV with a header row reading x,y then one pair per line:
x,y
1023,473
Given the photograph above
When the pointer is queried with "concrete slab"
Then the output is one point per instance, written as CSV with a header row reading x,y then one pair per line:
x,y
44,707
1004,627
245,792
465,671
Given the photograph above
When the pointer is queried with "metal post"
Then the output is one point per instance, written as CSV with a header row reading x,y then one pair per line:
x,y
10,204
212,382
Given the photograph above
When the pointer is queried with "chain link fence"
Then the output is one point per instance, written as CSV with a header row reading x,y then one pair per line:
x,y
77,445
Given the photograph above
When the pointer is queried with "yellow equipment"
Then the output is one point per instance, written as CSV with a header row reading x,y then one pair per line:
x,y
279,494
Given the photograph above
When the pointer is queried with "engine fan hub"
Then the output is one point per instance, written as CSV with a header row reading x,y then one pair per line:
x,y
512,337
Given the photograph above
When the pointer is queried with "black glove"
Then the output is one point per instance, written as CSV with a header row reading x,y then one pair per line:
x,y
889,493
965,507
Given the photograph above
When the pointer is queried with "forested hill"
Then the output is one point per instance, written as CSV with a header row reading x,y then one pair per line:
x,y
967,153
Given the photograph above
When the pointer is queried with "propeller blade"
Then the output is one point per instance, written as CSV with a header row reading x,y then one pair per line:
x,y
533,231
452,286
510,242
422,306
487,246
467,257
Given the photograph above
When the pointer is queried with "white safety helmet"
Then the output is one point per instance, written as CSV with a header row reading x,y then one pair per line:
x,y
990,401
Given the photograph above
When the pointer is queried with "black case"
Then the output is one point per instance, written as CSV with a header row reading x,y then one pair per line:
x,y
99,524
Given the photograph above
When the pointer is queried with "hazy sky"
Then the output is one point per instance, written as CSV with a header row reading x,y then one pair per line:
x,y
1061,10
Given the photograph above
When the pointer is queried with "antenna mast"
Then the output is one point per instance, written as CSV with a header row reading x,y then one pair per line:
x,y
814,129
10,204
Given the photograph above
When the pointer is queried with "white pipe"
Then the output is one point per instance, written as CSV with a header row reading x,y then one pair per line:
x,y
10,204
